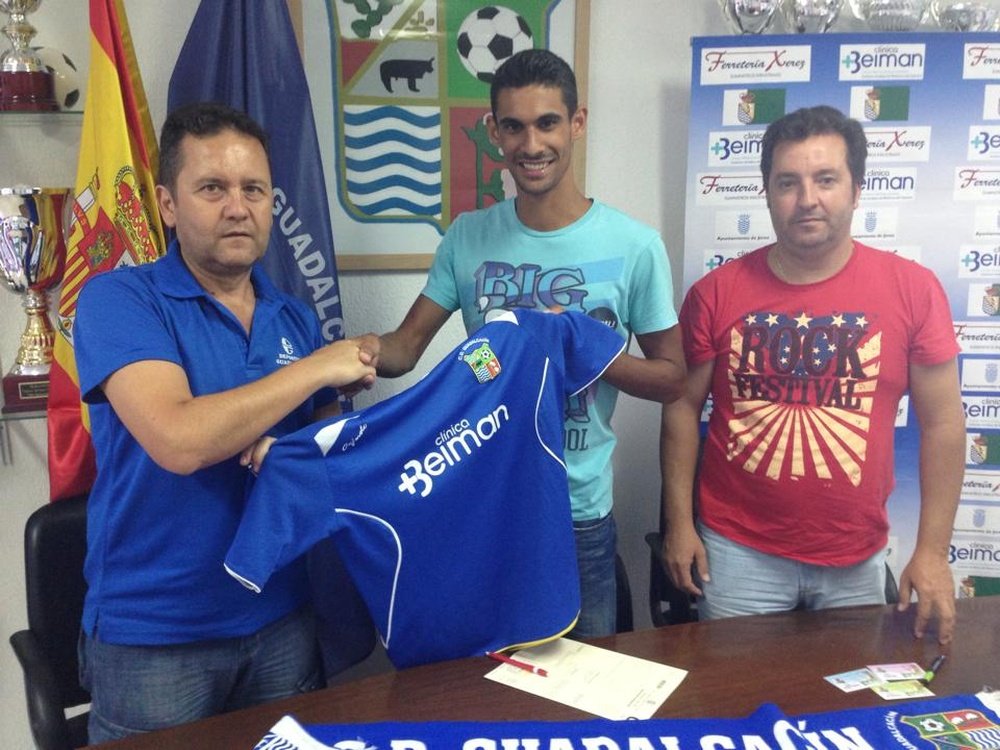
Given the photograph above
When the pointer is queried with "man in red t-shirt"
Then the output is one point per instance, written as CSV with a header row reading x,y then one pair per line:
x,y
806,347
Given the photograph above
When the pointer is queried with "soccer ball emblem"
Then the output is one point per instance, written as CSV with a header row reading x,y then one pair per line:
x,y
65,78
489,36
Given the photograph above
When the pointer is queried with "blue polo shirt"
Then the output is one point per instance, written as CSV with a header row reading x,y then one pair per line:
x,y
156,540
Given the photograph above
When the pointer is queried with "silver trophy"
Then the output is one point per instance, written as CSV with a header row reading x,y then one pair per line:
x,y
810,16
890,15
32,258
963,15
25,83
749,16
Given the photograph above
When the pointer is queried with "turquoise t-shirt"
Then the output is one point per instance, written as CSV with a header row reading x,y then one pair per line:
x,y
604,264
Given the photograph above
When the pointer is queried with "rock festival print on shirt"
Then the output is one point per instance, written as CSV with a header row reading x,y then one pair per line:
x,y
802,391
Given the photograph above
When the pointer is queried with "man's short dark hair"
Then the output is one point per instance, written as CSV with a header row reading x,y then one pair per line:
x,y
535,67
820,120
200,119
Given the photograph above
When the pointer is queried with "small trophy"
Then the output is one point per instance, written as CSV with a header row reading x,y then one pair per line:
x,y
979,15
810,16
749,16
32,257
890,15
25,84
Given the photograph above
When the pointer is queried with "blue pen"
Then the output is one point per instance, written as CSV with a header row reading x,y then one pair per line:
x,y
934,667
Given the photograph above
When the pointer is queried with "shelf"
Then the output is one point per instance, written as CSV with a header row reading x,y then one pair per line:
x,y
62,114
19,416
44,122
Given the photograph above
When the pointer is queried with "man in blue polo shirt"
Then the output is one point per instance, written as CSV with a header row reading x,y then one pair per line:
x,y
186,363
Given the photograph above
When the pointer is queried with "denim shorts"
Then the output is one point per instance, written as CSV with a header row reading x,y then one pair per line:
x,y
747,582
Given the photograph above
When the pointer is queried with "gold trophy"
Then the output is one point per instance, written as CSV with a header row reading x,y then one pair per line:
x,y
25,82
32,258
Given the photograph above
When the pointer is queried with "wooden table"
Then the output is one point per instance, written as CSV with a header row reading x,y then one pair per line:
x,y
733,667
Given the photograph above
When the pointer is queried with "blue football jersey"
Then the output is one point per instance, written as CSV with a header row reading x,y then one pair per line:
x,y
448,502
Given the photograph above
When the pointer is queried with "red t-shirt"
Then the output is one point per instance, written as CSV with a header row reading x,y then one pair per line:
x,y
798,460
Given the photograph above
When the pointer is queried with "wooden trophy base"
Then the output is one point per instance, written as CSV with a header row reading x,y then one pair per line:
x,y
25,393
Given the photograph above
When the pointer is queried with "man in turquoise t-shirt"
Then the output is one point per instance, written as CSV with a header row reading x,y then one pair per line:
x,y
552,247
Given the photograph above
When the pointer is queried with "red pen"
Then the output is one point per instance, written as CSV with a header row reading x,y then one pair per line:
x,y
519,664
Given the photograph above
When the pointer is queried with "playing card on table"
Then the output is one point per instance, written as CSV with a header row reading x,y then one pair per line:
x,y
893,672
856,679
892,691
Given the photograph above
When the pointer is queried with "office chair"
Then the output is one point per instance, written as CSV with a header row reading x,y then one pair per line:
x,y
891,590
623,598
668,605
55,544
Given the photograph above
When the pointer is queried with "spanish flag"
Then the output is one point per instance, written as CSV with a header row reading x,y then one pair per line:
x,y
114,222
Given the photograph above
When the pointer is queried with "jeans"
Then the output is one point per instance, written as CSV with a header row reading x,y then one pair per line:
x,y
595,557
141,688
748,582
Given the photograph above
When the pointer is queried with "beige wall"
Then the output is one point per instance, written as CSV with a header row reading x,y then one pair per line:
x,y
638,100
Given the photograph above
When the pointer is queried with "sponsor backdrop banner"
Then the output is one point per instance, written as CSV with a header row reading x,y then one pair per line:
x,y
930,106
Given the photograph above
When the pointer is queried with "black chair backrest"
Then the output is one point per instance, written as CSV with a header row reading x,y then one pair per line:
x,y
891,589
668,605
623,598
55,545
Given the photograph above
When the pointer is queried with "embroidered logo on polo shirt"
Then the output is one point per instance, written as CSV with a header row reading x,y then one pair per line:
x,y
287,354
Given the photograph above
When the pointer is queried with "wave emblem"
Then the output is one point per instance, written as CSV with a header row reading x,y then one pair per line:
x,y
392,160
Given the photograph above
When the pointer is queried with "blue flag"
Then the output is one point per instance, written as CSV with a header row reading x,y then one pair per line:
x,y
243,53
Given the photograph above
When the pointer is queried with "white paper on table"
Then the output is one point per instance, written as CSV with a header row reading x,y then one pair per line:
x,y
592,679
